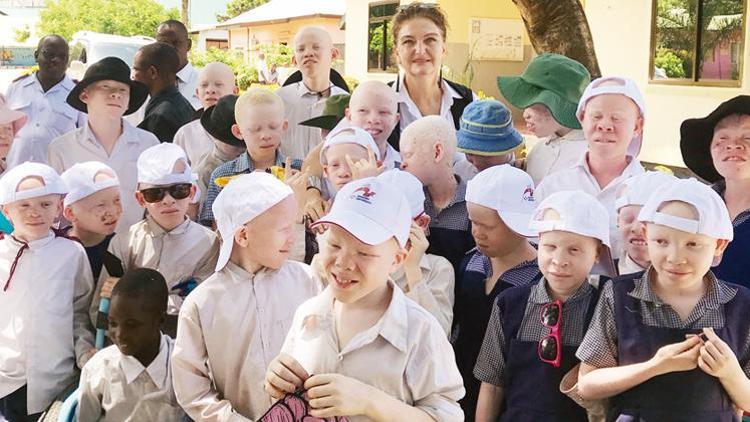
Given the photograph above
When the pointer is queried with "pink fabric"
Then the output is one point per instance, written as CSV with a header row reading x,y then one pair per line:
x,y
293,408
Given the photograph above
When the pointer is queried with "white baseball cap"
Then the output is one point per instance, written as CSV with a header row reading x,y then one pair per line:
x,y
579,213
713,216
623,86
409,185
242,199
53,183
507,190
637,189
371,210
347,134
156,165
81,180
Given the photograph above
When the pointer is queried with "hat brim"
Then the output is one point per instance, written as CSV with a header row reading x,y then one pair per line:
x,y
518,222
469,143
138,93
696,136
522,94
364,229
324,122
222,134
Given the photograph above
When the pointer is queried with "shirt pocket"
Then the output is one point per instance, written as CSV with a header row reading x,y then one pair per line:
x,y
22,103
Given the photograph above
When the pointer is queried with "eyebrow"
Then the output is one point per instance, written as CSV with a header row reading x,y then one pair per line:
x,y
426,35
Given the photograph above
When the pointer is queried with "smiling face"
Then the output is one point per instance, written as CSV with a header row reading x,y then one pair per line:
x,y
630,231
108,98
274,229
539,121
336,170
33,217
730,147
373,108
97,213
261,126
565,259
356,269
52,56
313,52
216,80
680,257
420,47
610,121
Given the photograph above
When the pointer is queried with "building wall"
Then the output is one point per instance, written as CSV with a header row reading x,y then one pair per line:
x,y
622,31
212,34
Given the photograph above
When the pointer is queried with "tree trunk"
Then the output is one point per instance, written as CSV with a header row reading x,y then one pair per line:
x,y
560,26
185,13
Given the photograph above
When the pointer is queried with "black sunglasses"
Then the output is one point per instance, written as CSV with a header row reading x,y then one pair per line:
x,y
178,191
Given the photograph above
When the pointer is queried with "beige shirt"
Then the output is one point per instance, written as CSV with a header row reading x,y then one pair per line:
x,y
44,327
555,153
405,354
194,139
81,145
117,388
230,329
188,251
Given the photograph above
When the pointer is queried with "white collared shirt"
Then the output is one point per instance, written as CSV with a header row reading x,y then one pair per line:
x,y
409,111
626,265
301,104
189,251
187,82
81,145
195,140
44,327
555,153
579,177
49,116
392,159
417,367
230,329
118,388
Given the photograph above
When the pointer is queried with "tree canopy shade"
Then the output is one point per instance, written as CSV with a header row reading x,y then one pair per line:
x,y
237,7
119,17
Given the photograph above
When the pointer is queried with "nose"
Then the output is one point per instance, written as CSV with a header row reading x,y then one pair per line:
x,y
342,261
168,199
559,260
604,125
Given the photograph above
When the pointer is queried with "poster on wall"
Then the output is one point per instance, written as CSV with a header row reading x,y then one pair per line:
x,y
496,39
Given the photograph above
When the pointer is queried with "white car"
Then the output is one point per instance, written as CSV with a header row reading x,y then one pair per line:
x,y
88,47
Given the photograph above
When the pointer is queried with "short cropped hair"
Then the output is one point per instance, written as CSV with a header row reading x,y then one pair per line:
x,y
430,129
257,96
146,285
162,56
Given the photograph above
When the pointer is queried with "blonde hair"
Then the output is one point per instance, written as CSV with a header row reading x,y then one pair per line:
x,y
254,97
428,130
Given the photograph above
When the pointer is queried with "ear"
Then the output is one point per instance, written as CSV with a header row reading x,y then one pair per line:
x,y
643,230
398,259
69,215
36,55
139,199
189,44
193,191
294,60
235,90
347,114
153,73
242,236
236,131
325,171
83,96
334,53
721,246
438,151
639,125
285,125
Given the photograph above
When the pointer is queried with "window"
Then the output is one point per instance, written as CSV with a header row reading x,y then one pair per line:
x,y
697,42
379,57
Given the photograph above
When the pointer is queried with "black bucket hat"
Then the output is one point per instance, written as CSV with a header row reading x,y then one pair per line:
x,y
109,69
219,118
696,136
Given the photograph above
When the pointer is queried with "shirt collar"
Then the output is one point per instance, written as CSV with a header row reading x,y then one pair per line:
x,y
626,265
164,94
540,295
158,231
303,90
243,163
128,133
33,79
716,293
575,135
187,73
34,244
634,166
157,370
424,264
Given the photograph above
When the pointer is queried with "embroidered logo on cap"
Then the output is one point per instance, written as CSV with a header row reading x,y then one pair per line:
x,y
528,194
365,196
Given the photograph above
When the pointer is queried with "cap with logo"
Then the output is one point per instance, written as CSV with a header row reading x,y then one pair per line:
x,y
409,185
507,190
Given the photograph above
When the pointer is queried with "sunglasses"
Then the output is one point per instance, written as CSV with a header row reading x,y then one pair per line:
x,y
550,347
178,191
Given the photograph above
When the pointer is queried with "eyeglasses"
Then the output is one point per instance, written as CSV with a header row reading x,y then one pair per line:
x,y
550,347
178,191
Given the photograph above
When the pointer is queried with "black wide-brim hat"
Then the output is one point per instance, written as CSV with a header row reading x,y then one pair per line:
x,y
219,119
696,136
109,69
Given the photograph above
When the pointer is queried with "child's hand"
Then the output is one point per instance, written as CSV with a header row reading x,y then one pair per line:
x,y
716,358
677,357
284,375
365,168
418,246
333,395
315,206
107,286
296,180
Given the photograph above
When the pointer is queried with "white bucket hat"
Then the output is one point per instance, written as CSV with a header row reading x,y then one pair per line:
x,y
242,199
409,185
507,190
52,182
637,189
582,214
347,134
81,182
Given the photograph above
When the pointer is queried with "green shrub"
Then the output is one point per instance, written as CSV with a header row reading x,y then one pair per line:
x,y
278,54
672,64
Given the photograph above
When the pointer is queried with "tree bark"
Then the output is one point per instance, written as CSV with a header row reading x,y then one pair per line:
x,y
185,13
560,26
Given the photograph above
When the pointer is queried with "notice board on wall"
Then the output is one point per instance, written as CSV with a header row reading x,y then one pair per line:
x,y
496,39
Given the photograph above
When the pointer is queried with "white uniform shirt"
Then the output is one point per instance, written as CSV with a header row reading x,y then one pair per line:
x,y
555,153
409,111
188,251
626,265
81,145
406,354
230,329
44,327
301,104
187,82
117,388
49,116
194,139
579,177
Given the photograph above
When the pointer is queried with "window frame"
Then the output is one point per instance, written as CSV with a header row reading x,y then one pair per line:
x,y
695,81
381,20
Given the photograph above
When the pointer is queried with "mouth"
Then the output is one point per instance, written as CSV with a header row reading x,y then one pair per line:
x,y
637,241
374,132
169,212
267,146
676,273
309,62
558,274
734,158
342,283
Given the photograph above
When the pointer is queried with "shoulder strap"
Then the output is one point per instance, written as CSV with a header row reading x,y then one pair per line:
x,y
512,304
593,301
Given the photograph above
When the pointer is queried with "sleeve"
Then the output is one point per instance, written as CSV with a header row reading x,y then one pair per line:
x,y
435,292
180,139
190,375
83,330
490,366
433,378
90,393
206,215
599,345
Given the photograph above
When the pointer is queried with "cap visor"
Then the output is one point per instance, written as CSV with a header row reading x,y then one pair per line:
x,y
224,253
364,229
605,265
518,222
323,122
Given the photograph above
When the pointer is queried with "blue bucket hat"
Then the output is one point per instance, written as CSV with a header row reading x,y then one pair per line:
x,y
487,129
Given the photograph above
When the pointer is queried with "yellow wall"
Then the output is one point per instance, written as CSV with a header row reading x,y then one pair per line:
x,y
621,32
460,11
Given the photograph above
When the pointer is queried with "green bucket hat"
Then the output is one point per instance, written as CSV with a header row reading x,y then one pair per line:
x,y
550,79
333,112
